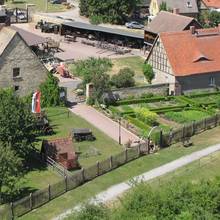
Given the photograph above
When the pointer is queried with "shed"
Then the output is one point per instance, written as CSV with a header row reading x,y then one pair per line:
x,y
62,151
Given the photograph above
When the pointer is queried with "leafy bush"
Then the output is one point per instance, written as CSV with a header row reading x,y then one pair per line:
x,y
146,116
124,78
148,72
50,92
96,19
176,200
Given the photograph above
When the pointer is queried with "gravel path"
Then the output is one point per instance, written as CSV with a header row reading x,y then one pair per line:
x,y
106,125
116,190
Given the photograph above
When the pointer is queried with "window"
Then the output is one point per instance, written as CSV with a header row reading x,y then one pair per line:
x,y
211,81
16,88
16,72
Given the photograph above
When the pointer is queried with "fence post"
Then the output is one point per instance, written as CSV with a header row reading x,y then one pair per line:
x,y
139,150
83,174
110,162
161,139
65,183
204,123
216,120
183,132
193,128
126,155
12,210
31,201
97,165
49,192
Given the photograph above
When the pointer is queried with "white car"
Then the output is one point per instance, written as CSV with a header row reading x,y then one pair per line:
x,y
20,15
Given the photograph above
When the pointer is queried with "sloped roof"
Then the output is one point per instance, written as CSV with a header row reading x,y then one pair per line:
x,y
166,21
191,54
6,36
212,3
182,5
30,38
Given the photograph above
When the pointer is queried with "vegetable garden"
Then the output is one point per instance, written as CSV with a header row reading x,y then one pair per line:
x,y
167,112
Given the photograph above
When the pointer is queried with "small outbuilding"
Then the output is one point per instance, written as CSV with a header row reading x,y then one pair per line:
x,y
62,151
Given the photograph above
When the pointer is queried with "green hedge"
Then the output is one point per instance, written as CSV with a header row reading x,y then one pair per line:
x,y
143,100
137,123
114,110
169,108
202,94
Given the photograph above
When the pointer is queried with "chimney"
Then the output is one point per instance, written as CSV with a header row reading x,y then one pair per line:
x,y
192,30
176,11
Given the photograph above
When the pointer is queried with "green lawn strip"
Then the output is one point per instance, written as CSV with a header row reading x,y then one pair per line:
x,y
203,169
40,5
121,174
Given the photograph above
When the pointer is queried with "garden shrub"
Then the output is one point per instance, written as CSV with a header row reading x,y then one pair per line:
x,y
50,92
124,78
146,116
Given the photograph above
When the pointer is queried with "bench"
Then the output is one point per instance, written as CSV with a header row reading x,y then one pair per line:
x,y
187,142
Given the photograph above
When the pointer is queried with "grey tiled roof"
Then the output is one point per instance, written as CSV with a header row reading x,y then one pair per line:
x,y
166,21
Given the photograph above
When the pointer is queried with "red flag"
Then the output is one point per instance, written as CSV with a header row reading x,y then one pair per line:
x,y
38,108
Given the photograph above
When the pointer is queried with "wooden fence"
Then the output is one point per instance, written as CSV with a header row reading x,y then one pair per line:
x,y
40,197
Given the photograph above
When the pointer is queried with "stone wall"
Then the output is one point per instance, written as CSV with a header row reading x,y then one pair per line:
x,y
160,89
32,72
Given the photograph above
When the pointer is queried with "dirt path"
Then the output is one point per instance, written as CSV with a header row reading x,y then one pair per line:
x,y
116,190
103,123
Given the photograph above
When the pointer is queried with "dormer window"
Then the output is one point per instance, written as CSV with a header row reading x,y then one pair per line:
x,y
189,4
200,58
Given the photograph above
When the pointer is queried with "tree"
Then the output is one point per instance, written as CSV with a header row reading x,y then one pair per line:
x,y
114,11
148,72
124,78
50,92
17,123
10,171
214,18
94,70
163,6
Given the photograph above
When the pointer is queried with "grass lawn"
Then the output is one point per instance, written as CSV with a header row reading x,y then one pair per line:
x,y
99,149
135,63
203,169
40,5
123,173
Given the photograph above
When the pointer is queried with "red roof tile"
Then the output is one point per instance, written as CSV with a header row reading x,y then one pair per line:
x,y
212,3
190,54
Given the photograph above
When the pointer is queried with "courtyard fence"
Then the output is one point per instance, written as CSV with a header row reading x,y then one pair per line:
x,y
40,197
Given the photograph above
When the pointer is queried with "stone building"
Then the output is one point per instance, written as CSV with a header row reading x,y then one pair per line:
x,y
20,68
187,60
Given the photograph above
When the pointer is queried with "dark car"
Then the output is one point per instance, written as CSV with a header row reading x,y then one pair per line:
x,y
134,25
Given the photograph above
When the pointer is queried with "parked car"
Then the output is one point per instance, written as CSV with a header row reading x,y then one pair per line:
x,y
56,1
20,15
134,25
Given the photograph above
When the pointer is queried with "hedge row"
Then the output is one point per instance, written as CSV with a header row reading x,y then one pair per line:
x,y
143,100
169,108
203,94
137,123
